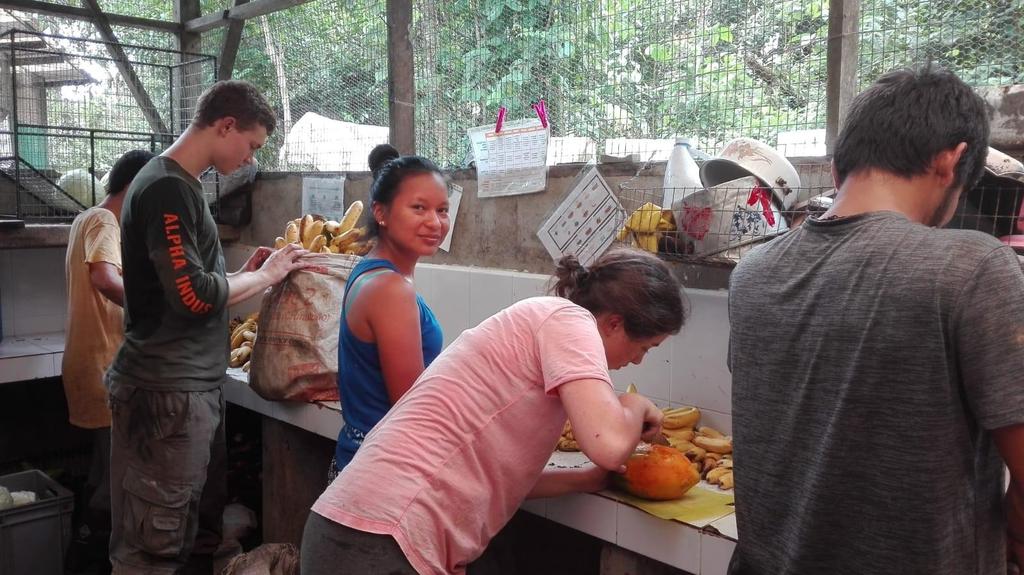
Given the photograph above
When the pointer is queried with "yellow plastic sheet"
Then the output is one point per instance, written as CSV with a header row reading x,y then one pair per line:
x,y
699,507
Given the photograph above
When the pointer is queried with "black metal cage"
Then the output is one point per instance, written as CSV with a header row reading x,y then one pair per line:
x,y
69,107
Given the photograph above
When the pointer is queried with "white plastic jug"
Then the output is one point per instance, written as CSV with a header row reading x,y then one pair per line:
x,y
682,176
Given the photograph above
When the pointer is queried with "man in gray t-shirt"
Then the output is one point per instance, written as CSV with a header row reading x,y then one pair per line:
x,y
878,362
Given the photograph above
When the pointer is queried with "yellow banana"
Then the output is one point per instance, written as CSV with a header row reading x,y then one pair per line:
x,y
680,444
709,462
710,432
667,223
695,453
715,474
681,434
315,229
355,209
279,243
680,418
345,238
717,445
291,233
648,241
316,243
645,219
239,356
237,336
727,481
304,228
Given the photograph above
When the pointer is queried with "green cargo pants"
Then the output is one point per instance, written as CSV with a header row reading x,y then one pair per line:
x,y
167,479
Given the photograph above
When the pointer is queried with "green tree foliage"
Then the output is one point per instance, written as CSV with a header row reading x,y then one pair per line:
x,y
713,69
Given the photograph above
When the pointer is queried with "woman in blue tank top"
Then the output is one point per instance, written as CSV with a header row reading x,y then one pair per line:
x,y
388,334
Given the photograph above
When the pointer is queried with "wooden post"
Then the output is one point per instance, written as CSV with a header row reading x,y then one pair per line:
x,y
228,52
187,76
842,58
401,77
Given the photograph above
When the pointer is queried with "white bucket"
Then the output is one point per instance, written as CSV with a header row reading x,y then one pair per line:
x,y
724,219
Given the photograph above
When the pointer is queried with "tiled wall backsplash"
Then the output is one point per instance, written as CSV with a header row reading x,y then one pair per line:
x,y
33,293
688,368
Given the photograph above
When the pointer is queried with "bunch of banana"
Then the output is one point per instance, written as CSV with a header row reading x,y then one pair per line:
x,y
243,337
708,448
327,236
645,226
680,417
567,442
720,473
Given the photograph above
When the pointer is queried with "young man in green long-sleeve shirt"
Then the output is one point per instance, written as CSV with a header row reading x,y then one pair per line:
x,y
167,444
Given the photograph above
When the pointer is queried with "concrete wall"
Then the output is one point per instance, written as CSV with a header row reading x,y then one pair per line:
x,y
33,291
498,233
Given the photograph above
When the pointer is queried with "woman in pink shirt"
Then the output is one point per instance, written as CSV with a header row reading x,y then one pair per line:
x,y
451,462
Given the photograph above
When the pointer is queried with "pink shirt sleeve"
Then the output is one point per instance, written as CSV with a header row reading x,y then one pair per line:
x,y
570,348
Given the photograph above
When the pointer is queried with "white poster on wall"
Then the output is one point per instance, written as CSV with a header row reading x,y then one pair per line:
x,y
454,199
511,162
324,196
584,224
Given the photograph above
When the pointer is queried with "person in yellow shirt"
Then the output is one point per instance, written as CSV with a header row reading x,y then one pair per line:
x,y
94,328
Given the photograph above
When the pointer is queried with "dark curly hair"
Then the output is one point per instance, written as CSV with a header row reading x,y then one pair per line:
x,y
389,169
628,282
125,169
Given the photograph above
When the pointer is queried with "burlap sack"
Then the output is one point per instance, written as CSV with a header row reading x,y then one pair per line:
x,y
295,356
267,559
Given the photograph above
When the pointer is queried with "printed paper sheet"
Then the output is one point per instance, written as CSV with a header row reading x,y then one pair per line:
x,y
324,196
511,162
585,223
454,199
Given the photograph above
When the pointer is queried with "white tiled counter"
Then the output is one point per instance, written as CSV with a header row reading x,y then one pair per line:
x,y
31,357
699,551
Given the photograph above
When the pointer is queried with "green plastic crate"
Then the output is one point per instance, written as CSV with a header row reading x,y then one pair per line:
x,y
34,538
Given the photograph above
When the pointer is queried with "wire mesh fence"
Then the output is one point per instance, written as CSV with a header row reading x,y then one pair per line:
x,y
722,222
323,66
619,78
72,106
982,41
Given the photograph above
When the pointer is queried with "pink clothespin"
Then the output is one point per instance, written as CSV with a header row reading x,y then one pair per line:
x,y
542,112
501,120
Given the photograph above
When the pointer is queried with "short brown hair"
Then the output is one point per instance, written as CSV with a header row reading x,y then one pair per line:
x,y
631,283
237,99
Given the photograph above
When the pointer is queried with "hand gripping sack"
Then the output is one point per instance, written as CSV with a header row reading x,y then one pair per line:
x,y
295,356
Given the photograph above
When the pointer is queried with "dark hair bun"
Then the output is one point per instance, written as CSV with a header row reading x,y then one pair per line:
x,y
570,275
380,155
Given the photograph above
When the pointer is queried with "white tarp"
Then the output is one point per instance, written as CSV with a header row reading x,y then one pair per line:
x,y
320,143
